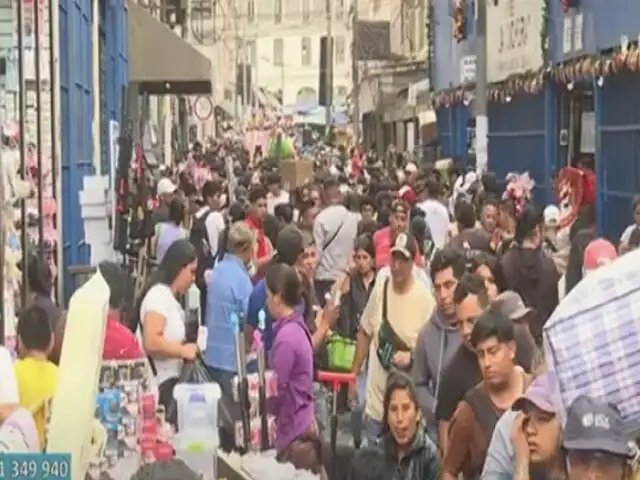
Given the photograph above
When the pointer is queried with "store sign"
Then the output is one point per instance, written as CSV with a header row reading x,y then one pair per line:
x,y
513,37
468,69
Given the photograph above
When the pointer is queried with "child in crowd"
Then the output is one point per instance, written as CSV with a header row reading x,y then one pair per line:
x,y
36,376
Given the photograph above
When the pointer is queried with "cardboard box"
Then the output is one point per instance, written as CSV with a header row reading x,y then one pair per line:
x,y
295,173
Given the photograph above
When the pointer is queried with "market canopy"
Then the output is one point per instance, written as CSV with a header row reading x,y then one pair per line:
x,y
314,114
160,61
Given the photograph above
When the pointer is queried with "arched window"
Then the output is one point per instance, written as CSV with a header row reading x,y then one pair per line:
x,y
306,95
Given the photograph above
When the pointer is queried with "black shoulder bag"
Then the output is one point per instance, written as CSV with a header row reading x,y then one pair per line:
x,y
388,340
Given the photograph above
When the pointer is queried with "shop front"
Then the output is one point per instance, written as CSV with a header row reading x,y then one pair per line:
x,y
452,65
601,47
521,103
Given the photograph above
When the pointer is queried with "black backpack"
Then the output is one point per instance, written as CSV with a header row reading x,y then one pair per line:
x,y
199,238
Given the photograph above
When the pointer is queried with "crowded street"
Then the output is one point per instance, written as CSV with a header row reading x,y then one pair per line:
x,y
319,239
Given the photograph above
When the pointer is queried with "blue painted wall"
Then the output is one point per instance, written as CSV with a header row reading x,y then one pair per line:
x,y
452,130
521,140
447,51
604,23
76,102
617,107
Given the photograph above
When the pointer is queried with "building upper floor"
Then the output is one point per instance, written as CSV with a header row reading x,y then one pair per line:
x,y
525,35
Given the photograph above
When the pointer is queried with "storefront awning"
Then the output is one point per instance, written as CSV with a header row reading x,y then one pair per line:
x,y
160,61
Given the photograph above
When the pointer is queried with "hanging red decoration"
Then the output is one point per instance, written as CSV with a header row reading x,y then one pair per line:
x,y
459,20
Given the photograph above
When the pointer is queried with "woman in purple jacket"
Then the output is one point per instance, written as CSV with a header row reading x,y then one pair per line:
x,y
291,359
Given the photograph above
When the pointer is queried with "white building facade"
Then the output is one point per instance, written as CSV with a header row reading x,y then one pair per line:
x,y
280,39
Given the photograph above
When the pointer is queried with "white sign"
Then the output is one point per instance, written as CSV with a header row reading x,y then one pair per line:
x,y
513,37
577,31
567,34
468,69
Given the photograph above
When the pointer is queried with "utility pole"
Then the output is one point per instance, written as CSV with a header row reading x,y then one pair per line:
x,y
183,116
480,102
329,66
355,74
236,60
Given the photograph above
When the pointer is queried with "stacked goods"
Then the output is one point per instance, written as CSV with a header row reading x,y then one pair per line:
x,y
253,382
135,430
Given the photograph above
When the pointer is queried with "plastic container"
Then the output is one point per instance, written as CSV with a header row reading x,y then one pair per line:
x,y
204,463
198,415
197,439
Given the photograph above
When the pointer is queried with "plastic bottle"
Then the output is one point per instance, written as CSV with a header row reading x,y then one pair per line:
x,y
193,304
197,439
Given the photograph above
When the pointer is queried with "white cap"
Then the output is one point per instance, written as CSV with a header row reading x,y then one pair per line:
x,y
411,168
551,216
165,186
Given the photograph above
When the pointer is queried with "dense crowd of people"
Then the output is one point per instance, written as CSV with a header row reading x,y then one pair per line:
x,y
440,283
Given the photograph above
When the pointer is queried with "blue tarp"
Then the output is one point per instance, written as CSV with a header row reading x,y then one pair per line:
x,y
314,114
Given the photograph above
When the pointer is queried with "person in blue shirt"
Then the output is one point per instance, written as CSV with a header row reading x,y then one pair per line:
x,y
290,247
228,290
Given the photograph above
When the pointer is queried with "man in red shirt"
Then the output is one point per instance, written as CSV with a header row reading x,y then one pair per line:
x,y
383,238
255,221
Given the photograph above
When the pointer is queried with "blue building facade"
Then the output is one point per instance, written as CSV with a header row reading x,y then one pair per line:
x,y
579,49
448,72
616,104
76,103
519,138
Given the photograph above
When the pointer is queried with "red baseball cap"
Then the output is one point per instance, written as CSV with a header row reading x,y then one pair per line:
x,y
407,194
599,252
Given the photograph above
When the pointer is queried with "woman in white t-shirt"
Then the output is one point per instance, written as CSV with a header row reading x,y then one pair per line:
x,y
162,319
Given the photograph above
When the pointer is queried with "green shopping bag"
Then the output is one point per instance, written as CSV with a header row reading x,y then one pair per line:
x,y
341,353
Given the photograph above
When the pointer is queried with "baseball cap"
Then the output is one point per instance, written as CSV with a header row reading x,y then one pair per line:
x,y
599,252
407,194
551,215
165,186
411,168
405,243
542,393
595,425
290,244
511,305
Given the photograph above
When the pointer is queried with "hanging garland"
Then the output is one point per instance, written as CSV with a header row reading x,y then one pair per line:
x,y
544,31
524,83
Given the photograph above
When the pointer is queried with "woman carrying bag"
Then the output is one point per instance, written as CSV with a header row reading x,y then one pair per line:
x,y
160,318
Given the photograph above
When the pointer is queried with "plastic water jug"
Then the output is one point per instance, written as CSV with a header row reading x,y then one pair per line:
x,y
197,407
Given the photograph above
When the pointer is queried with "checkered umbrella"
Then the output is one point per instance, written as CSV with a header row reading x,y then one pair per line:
x,y
592,340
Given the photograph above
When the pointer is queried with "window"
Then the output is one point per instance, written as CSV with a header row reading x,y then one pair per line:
x,y
278,52
202,9
251,11
251,52
339,9
306,51
306,11
277,13
340,50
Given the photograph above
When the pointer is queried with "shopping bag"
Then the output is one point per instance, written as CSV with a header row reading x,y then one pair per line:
x,y
193,372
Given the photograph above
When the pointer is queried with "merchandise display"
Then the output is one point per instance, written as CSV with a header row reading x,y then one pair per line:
x,y
255,414
126,408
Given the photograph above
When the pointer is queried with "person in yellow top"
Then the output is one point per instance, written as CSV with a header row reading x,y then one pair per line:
x,y
36,376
